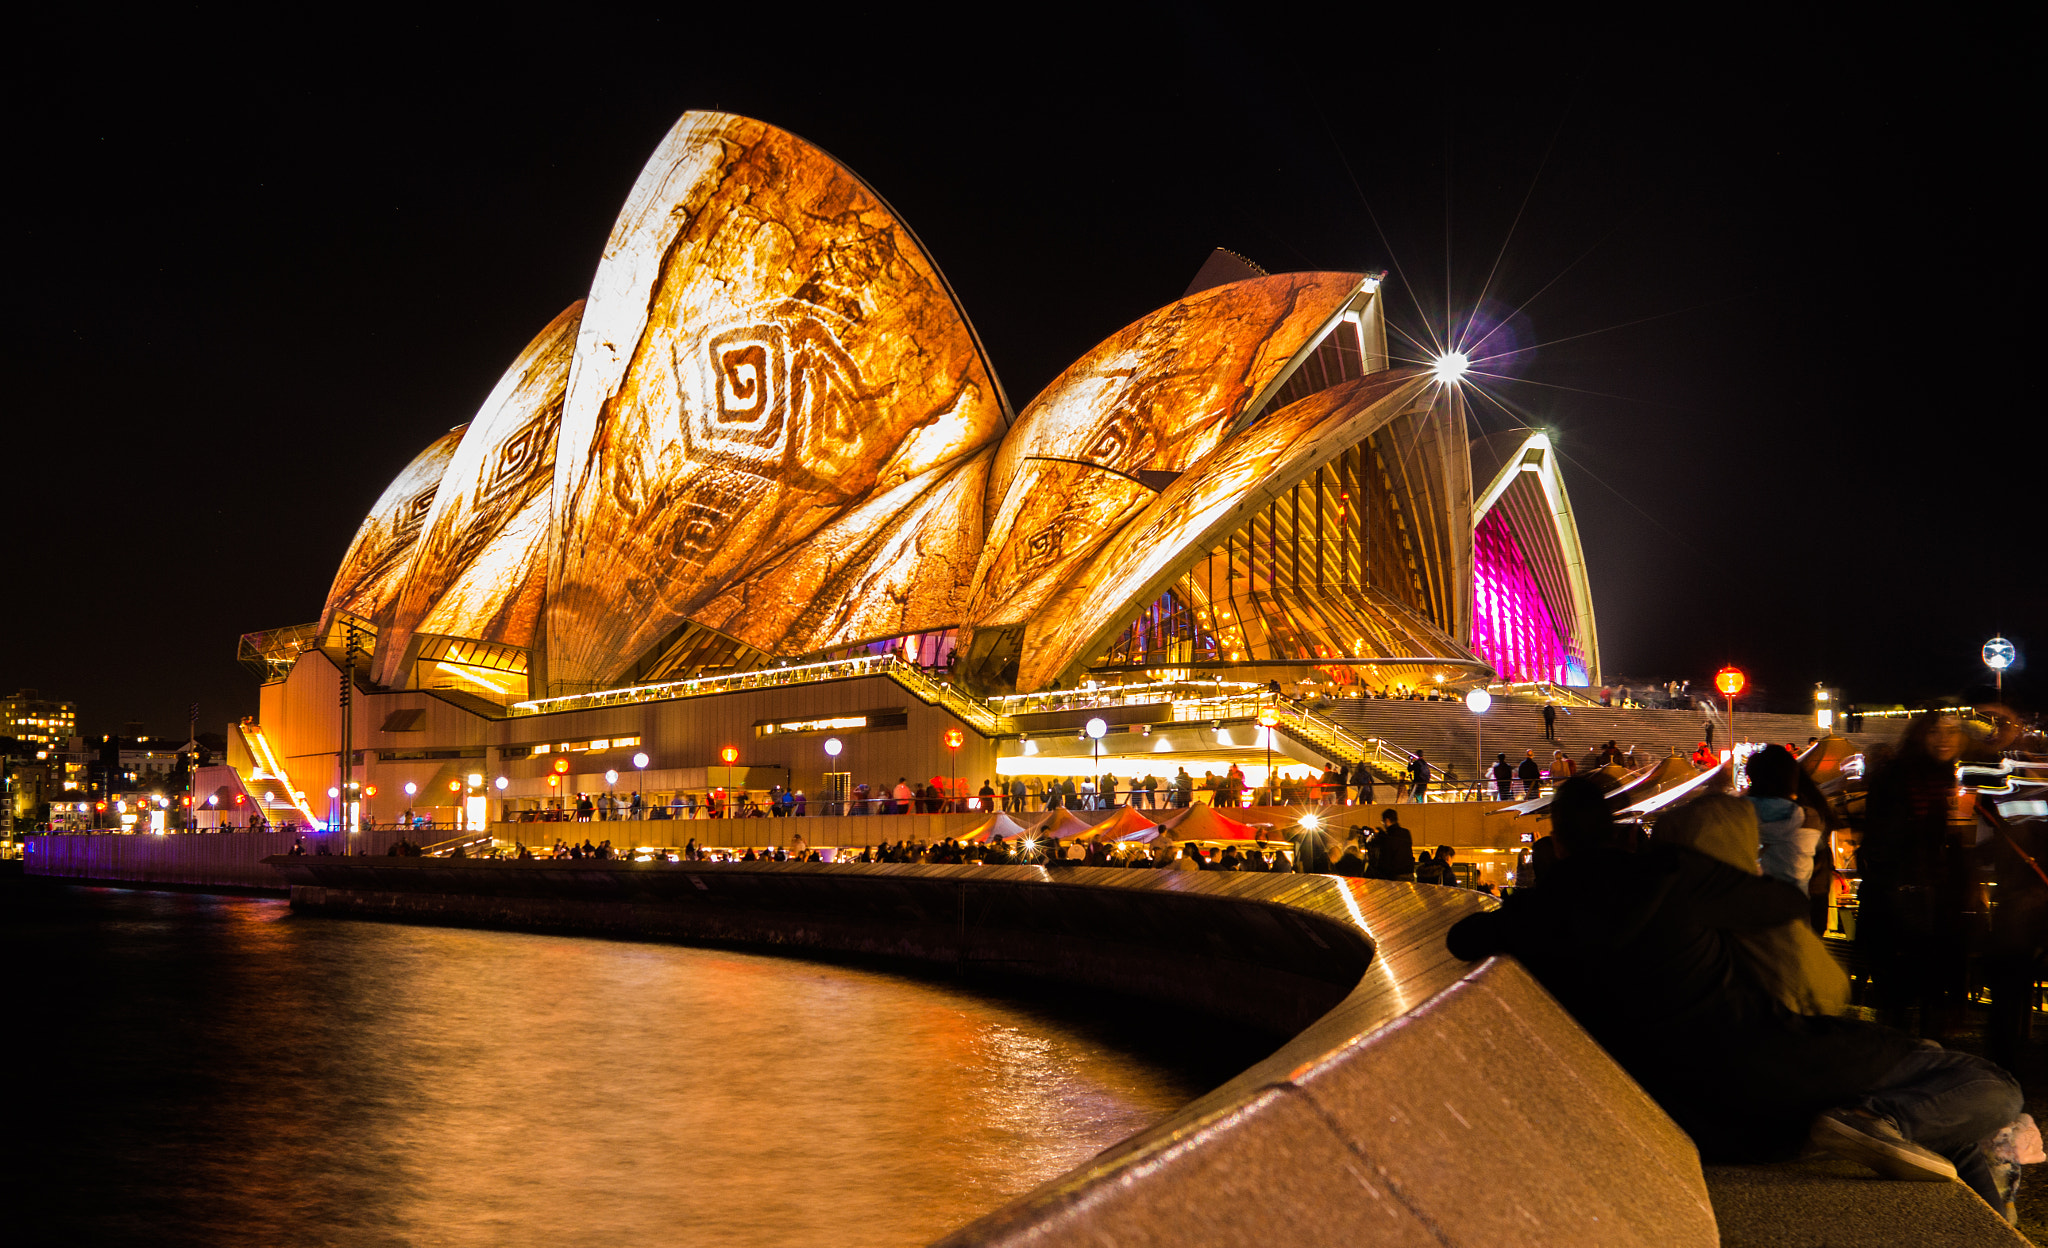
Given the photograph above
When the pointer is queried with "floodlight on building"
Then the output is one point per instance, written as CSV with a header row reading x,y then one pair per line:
x,y
476,780
1450,367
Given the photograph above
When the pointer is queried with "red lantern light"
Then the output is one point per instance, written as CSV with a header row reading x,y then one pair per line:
x,y
238,799
1730,680
561,766
370,790
730,755
955,739
455,786
554,782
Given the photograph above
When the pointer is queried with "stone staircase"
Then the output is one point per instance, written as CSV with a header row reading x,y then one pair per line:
x,y
1446,732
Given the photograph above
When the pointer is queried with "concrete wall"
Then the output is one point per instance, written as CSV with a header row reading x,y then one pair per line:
x,y
1421,1100
191,859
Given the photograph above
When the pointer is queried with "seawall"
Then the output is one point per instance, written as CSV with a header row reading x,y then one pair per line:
x,y
1411,1082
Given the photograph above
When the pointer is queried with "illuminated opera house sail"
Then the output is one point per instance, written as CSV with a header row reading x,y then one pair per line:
x,y
770,435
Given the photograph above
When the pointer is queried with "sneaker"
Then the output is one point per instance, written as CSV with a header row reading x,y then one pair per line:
x,y
1872,1141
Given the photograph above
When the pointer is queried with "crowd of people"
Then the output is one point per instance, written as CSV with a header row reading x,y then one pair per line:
x,y
1693,955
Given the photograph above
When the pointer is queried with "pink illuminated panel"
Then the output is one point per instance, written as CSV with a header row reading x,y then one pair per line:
x,y
1513,628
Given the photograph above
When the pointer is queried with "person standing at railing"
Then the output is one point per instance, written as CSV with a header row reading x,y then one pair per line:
x,y
1418,778
1362,780
1530,773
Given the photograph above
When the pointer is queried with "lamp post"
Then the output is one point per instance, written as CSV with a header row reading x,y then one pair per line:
x,y
954,740
502,784
835,802
1730,680
611,777
411,791
1999,655
333,806
1479,701
1097,730
640,772
1268,720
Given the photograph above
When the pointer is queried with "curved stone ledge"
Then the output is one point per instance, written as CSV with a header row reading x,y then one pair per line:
x,y
1420,1099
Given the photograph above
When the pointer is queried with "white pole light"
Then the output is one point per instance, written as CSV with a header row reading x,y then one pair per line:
x,y
1097,729
640,761
832,746
1478,701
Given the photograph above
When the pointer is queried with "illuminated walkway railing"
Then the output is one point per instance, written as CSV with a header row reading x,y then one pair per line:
x,y
920,685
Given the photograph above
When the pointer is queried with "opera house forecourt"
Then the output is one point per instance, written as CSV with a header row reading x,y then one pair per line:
x,y
761,495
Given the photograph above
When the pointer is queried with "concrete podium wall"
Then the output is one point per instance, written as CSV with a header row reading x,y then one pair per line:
x,y
1419,1099
185,859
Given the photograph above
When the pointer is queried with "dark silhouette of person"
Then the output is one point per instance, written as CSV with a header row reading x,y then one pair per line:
x,y
1393,850
1418,777
1639,947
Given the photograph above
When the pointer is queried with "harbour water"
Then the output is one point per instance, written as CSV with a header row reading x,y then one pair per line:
x,y
205,1069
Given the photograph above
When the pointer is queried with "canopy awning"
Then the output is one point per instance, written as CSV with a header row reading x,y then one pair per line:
x,y
1206,823
1127,824
998,824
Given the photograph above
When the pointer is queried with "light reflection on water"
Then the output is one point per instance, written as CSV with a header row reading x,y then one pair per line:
x,y
222,1071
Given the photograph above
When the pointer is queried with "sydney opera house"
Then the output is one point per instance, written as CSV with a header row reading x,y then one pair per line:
x,y
762,490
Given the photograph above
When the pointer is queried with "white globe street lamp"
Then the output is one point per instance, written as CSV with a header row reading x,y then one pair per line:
x,y
1097,729
1999,654
1479,701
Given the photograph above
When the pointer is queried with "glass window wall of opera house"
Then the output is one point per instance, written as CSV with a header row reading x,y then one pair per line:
x,y
756,517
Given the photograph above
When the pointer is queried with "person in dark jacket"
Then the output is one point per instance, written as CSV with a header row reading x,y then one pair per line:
x,y
1418,778
1917,878
1530,773
1393,856
1638,948
1503,777
1361,779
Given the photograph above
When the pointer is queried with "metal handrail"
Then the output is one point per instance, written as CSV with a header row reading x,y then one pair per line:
x,y
911,678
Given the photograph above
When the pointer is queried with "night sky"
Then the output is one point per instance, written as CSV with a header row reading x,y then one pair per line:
x,y
1770,287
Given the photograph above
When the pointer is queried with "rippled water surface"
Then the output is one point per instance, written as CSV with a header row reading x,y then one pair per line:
x,y
218,1070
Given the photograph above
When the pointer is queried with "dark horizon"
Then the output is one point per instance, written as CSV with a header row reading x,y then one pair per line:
x,y
254,282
